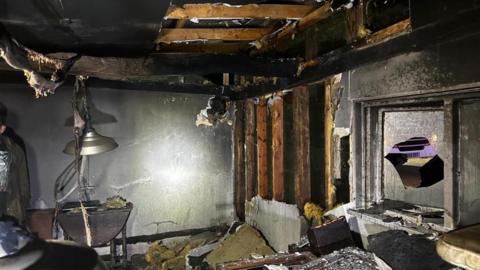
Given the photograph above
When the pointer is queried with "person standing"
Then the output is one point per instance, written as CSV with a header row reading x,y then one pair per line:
x,y
14,180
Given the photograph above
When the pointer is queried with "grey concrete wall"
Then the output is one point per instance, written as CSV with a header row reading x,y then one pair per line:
x,y
170,169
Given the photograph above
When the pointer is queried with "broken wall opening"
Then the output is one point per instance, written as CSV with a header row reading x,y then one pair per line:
x,y
400,126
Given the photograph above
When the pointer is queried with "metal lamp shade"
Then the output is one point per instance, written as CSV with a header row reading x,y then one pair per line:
x,y
93,143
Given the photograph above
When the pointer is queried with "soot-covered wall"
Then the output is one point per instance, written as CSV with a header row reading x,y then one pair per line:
x,y
171,170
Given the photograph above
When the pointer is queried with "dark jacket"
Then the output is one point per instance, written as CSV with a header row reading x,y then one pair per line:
x,y
18,189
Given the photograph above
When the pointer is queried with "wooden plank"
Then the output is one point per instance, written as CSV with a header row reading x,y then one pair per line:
x,y
355,23
278,150
329,112
279,259
170,35
262,155
390,32
301,134
239,159
312,18
227,12
209,47
250,157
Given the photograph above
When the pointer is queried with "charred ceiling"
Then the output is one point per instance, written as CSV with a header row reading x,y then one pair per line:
x,y
138,44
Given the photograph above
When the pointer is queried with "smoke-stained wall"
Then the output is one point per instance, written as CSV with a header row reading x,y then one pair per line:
x,y
171,170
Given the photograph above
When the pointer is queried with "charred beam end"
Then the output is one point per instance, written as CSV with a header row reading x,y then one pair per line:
x,y
117,68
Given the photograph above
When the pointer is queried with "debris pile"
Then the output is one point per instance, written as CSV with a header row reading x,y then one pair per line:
x,y
161,257
343,259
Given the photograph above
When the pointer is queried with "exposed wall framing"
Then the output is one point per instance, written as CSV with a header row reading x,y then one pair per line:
x,y
262,155
250,157
278,177
301,134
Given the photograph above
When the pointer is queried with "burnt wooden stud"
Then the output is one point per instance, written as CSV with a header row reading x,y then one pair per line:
x,y
301,133
277,149
262,155
239,160
249,149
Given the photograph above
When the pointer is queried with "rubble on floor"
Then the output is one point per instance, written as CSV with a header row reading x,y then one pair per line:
x,y
344,259
172,257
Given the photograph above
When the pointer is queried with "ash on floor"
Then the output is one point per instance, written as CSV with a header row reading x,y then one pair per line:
x,y
402,251
350,258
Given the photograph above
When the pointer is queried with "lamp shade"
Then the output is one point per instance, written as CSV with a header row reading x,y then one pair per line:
x,y
92,144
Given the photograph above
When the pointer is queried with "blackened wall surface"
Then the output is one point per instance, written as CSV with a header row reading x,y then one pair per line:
x,y
447,65
444,72
167,167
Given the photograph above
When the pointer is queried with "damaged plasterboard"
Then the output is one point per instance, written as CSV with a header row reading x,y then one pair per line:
x,y
280,223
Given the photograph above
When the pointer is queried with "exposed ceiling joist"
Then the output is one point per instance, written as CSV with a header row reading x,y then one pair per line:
x,y
310,19
225,34
208,47
227,12
389,32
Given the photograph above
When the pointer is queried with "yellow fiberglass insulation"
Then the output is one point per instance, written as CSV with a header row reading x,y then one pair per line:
x,y
313,212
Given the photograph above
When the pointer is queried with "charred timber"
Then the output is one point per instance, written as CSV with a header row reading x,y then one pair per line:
x,y
118,68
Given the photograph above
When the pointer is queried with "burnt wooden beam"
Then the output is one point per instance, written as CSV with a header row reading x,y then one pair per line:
x,y
278,176
230,12
171,87
239,159
272,40
118,68
262,156
389,32
250,160
208,47
301,137
172,35
17,78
